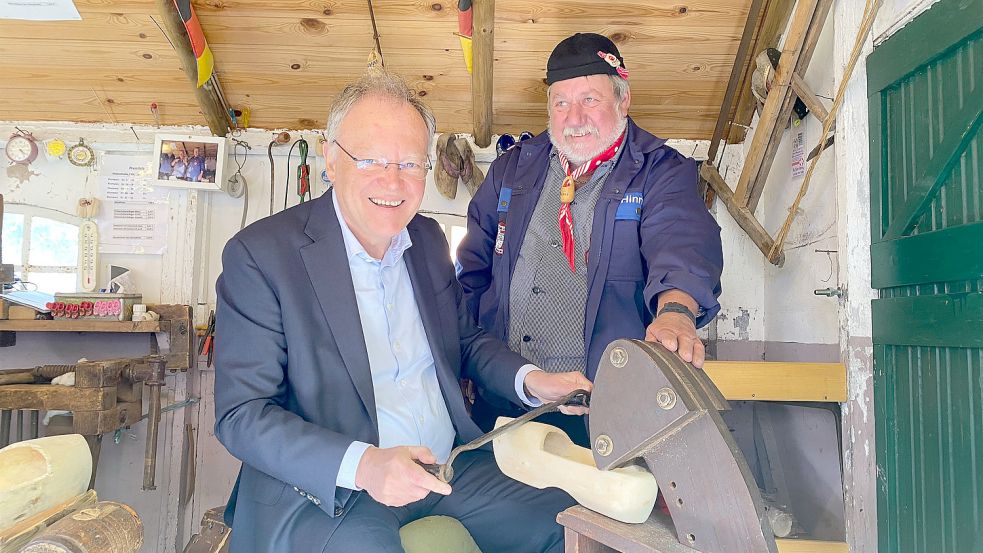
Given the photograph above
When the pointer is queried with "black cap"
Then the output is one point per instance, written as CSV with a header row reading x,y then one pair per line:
x,y
577,56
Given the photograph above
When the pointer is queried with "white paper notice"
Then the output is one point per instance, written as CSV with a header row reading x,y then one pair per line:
x,y
133,227
798,152
133,214
127,178
39,10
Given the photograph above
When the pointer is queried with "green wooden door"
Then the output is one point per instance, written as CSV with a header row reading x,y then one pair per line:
x,y
925,88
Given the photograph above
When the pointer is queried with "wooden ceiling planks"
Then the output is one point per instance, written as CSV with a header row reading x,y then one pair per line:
x,y
286,59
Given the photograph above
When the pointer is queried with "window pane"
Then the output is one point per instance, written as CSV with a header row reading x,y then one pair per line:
x,y
13,238
457,234
53,242
52,283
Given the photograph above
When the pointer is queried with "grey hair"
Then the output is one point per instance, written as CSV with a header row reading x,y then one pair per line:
x,y
382,83
619,85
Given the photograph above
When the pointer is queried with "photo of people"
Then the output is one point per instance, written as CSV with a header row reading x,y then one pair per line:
x,y
187,161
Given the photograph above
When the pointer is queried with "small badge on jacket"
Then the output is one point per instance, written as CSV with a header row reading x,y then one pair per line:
x,y
500,238
630,208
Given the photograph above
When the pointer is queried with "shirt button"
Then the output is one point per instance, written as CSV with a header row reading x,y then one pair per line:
x,y
527,338
338,511
554,243
537,290
389,306
396,345
422,420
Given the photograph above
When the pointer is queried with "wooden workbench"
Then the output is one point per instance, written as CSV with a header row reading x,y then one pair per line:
x,y
588,532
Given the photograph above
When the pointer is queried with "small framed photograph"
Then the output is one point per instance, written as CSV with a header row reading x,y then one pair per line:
x,y
188,161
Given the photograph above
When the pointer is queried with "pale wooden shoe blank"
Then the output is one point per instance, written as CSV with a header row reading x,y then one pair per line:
x,y
38,474
543,456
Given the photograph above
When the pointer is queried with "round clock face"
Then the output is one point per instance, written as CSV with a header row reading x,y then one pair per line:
x,y
21,149
80,155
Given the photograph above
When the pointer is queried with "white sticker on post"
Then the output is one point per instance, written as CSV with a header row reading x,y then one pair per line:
x,y
798,151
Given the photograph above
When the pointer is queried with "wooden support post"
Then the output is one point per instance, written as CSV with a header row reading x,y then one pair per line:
x,y
207,97
807,24
808,97
741,64
741,213
773,21
483,78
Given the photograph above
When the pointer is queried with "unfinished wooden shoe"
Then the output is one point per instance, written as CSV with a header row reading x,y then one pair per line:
x,y
447,166
38,474
544,456
471,174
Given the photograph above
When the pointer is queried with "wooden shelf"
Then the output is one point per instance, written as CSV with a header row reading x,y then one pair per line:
x,y
81,326
779,381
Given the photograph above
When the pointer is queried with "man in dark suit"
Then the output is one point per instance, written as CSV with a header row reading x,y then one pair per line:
x,y
341,340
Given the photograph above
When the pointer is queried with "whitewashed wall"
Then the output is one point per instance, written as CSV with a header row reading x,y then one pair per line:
x,y
58,185
794,314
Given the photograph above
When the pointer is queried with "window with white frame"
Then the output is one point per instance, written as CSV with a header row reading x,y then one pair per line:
x,y
454,227
42,245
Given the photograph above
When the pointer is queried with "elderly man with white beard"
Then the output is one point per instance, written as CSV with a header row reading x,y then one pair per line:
x,y
591,232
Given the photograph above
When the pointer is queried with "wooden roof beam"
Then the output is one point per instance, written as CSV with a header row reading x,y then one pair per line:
x,y
803,34
740,212
742,62
482,77
774,19
207,96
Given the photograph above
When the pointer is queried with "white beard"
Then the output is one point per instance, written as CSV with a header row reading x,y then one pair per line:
x,y
578,158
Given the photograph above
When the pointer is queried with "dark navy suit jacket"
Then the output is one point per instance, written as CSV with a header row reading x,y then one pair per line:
x,y
292,382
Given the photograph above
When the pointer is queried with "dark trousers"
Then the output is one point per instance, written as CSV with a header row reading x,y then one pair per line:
x,y
502,515
485,413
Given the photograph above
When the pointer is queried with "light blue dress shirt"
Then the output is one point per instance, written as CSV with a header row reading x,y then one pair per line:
x,y
409,405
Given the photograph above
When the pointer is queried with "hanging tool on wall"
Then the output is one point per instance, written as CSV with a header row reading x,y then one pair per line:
x,y
237,185
303,173
206,346
302,169
278,139
376,60
239,118
155,112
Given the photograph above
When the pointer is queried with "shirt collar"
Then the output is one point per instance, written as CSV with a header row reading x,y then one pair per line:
x,y
399,244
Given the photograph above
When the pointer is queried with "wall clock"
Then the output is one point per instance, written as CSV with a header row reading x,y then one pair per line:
x,y
21,148
81,154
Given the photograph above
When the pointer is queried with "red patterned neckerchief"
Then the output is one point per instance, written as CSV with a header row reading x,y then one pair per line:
x,y
567,190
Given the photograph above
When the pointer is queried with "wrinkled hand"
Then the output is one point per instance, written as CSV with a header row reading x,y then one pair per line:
x,y
552,386
392,476
677,333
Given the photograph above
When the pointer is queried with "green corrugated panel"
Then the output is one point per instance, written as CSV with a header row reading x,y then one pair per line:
x,y
929,448
926,111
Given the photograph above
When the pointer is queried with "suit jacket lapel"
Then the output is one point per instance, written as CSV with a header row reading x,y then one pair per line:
x,y
416,265
423,290
326,261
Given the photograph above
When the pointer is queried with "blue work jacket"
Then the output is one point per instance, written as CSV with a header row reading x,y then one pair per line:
x,y
651,233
